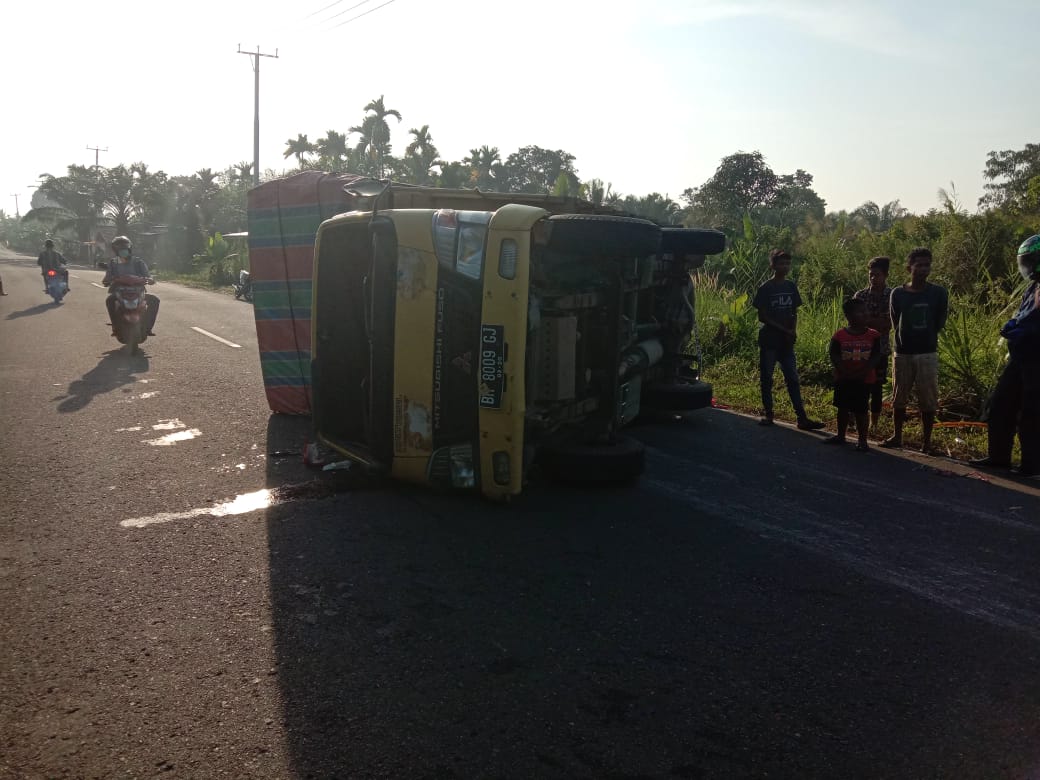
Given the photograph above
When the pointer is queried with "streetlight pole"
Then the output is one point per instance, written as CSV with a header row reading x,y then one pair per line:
x,y
17,214
256,107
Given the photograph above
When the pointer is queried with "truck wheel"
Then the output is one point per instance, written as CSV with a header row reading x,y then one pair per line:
x,y
621,461
676,396
599,234
692,241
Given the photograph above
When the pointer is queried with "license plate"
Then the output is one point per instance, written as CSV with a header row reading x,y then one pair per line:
x,y
492,366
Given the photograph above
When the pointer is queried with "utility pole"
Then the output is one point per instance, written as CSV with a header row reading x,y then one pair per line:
x,y
96,151
256,107
17,214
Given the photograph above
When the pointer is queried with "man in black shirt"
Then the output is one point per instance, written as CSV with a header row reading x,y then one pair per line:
x,y
918,309
777,301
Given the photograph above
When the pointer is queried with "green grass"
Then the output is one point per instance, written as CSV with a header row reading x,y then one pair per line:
x,y
199,280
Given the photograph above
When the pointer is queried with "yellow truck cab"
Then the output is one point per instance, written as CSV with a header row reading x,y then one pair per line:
x,y
465,349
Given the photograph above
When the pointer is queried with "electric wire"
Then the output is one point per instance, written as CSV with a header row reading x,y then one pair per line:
x,y
366,13
320,10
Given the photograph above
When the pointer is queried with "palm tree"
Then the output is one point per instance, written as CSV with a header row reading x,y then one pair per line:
x,y
243,171
121,193
300,147
892,212
421,154
878,219
332,151
600,194
77,202
375,133
204,189
486,163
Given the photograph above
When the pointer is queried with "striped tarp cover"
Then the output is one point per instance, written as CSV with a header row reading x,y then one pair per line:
x,y
283,217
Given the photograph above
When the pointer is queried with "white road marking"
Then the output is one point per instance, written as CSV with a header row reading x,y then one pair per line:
x,y
99,286
169,425
172,438
216,337
248,502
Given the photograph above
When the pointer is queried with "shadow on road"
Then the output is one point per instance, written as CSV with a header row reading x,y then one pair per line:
x,y
39,308
609,633
114,370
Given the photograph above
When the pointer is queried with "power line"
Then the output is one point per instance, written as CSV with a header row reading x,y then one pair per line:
x,y
347,10
366,13
326,8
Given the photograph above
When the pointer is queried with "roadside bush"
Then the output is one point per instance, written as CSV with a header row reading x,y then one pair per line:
x,y
218,261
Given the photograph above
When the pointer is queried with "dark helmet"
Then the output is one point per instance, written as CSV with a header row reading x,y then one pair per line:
x,y
49,244
121,242
1029,255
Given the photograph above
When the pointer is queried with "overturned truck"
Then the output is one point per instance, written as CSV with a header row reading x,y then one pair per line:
x,y
465,341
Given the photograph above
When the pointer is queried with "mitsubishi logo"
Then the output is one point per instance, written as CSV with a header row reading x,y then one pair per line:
x,y
463,362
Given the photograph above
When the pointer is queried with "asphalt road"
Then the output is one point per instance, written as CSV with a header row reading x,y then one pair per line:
x,y
757,605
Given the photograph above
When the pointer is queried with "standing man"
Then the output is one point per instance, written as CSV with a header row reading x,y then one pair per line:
x,y
918,312
1016,398
878,297
51,259
777,301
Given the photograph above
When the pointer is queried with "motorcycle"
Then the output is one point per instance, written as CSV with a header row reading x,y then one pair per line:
x,y
131,320
243,287
57,284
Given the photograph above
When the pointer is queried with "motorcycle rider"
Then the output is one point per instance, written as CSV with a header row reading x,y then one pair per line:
x,y
125,264
51,259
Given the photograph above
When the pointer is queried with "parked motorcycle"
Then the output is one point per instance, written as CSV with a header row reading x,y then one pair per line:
x,y
243,287
57,284
131,320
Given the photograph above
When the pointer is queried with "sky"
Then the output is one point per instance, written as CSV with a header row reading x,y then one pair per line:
x,y
879,100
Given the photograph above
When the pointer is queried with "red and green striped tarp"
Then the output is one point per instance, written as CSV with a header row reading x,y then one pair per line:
x,y
283,217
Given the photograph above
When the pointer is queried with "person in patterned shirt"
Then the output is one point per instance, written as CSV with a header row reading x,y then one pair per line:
x,y
855,351
878,297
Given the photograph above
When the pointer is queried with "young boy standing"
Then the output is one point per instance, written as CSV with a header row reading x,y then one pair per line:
x,y
918,311
855,352
777,301
878,297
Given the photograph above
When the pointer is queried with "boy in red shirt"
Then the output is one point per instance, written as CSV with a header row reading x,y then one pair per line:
x,y
855,352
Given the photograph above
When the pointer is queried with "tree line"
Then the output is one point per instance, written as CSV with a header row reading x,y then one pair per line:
x,y
744,197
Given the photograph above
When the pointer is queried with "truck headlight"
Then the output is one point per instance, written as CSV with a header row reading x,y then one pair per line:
x,y
500,467
462,473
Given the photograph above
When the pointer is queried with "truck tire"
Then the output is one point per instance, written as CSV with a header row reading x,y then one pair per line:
x,y
621,461
692,241
600,234
676,396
